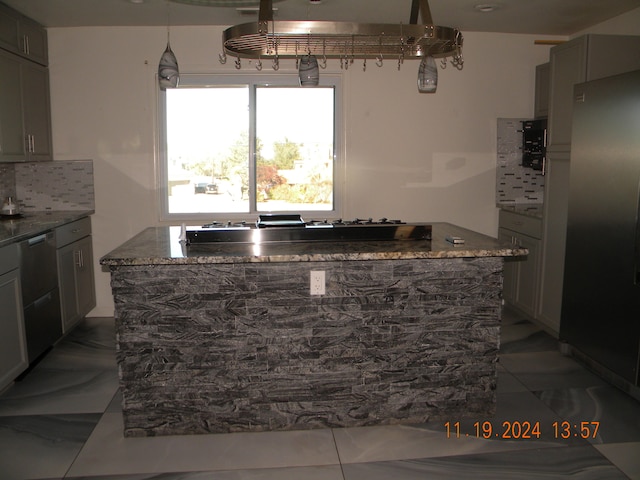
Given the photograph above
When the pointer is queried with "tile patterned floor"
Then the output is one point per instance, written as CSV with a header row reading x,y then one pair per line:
x,y
63,421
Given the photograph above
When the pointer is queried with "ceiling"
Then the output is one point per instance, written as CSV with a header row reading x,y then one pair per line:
x,y
541,17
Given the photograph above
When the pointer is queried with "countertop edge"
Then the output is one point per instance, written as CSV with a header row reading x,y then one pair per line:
x,y
157,246
35,223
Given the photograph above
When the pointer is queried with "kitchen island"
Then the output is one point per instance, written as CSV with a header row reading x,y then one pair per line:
x,y
227,337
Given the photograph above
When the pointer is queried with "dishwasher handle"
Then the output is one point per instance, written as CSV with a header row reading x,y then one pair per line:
x,y
37,240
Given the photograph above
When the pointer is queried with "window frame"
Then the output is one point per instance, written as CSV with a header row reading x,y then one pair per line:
x,y
260,79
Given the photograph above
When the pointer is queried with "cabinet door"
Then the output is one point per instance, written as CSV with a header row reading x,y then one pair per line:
x,y
541,105
9,30
13,345
556,203
85,282
568,67
34,41
510,271
12,140
527,292
37,111
76,281
66,284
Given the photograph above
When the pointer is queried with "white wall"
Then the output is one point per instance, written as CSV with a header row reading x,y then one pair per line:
x,y
410,156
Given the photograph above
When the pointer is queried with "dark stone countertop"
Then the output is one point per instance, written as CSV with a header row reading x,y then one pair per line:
x,y
161,246
29,224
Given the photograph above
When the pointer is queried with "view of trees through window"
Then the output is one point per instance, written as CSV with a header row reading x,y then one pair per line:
x,y
219,162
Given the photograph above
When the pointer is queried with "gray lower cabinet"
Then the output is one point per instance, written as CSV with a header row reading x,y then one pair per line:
x,y
75,271
13,344
521,275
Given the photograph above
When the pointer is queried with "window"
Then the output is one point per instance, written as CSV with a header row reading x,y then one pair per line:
x,y
235,146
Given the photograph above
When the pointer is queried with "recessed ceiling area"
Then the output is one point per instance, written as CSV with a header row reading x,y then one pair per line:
x,y
542,17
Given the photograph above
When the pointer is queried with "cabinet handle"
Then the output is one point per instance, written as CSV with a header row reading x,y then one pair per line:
x,y
31,144
77,254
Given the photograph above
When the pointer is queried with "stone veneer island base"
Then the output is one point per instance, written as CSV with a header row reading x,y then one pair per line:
x,y
226,338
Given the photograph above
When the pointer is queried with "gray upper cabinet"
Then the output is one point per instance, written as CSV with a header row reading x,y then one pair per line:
x,y
25,107
541,105
12,140
37,112
23,36
579,60
25,110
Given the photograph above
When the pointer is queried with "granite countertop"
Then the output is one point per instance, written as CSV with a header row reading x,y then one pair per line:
x,y
529,210
15,229
161,246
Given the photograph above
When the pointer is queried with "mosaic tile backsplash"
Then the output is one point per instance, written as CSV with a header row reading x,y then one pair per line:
x,y
57,185
515,184
7,180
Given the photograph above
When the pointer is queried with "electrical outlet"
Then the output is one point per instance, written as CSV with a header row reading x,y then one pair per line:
x,y
317,282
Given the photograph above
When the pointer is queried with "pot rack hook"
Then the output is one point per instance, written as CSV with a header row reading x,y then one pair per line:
x,y
323,62
379,58
238,63
222,58
259,64
364,65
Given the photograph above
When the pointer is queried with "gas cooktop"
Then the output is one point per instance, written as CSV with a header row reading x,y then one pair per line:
x,y
292,228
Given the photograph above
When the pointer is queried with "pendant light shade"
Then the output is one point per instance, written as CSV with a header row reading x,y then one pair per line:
x,y
168,74
428,75
308,71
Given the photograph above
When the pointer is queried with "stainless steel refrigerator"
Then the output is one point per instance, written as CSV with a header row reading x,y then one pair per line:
x,y
601,293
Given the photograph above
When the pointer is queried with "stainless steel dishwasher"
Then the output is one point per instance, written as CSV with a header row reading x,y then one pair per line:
x,y
40,297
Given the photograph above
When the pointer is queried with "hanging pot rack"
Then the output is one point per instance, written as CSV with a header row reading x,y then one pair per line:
x,y
290,39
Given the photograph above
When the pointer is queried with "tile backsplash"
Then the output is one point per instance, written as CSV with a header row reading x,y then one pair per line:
x,y
7,180
42,186
515,184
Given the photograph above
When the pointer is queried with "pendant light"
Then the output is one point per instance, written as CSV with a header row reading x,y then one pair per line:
x,y
168,73
428,75
308,71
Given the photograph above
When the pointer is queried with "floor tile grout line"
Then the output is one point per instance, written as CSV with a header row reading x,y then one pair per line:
x,y
84,444
335,443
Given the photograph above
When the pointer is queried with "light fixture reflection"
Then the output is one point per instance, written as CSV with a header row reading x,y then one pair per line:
x,y
308,71
255,237
428,75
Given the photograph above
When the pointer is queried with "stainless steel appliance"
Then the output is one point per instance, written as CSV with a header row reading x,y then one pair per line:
x,y
534,143
292,228
601,294
40,297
